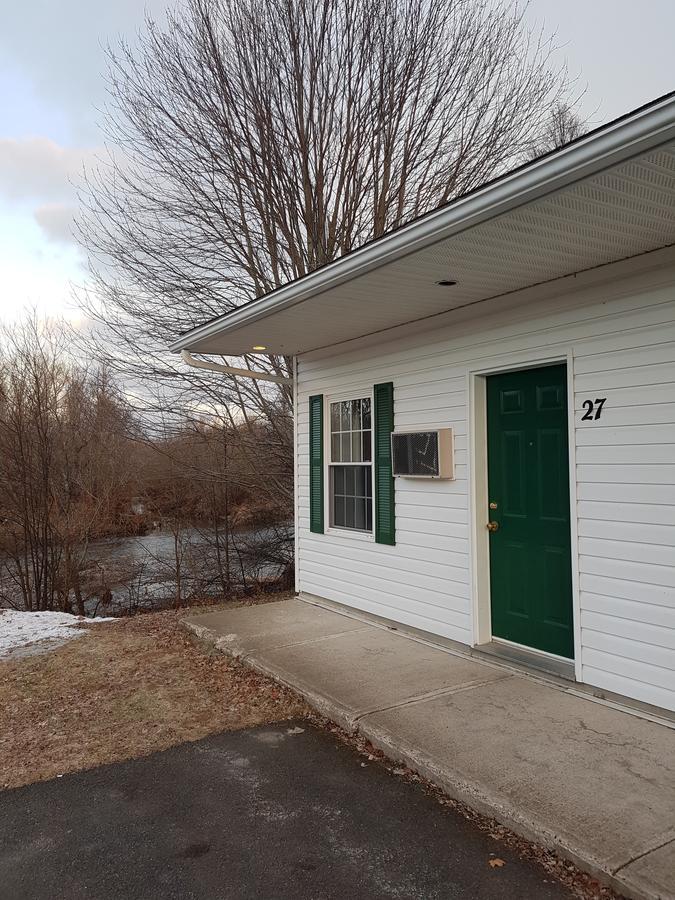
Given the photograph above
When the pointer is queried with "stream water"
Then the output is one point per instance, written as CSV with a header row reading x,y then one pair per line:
x,y
123,574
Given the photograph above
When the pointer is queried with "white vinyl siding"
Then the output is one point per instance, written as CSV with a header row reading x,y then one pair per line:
x,y
621,337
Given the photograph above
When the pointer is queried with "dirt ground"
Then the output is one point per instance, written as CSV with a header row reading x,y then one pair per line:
x,y
124,690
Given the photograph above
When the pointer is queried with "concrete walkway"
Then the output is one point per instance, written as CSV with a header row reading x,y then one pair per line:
x,y
592,781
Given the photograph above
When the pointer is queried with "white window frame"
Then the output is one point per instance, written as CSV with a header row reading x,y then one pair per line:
x,y
329,528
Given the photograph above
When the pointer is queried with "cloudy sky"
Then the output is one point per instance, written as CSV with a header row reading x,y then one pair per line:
x,y
52,86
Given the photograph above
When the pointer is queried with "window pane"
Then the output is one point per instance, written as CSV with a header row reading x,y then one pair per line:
x,y
351,492
339,512
360,514
356,415
365,440
365,413
349,512
346,444
345,417
357,456
335,417
335,448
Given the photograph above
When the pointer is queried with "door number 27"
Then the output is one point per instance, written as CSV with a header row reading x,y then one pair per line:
x,y
593,409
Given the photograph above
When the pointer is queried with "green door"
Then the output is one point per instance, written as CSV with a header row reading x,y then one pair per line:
x,y
528,488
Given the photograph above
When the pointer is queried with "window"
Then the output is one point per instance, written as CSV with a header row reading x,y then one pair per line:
x,y
351,473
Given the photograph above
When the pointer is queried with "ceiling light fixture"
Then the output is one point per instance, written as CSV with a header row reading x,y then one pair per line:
x,y
259,347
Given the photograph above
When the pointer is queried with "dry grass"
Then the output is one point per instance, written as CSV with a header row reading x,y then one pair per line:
x,y
126,689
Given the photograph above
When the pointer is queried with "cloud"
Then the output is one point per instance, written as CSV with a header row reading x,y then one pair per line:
x,y
36,272
40,170
58,49
56,221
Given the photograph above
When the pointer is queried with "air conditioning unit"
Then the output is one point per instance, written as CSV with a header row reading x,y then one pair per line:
x,y
423,454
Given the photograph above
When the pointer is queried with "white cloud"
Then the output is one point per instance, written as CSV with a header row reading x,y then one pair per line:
x,y
56,221
39,169
36,272
39,177
58,47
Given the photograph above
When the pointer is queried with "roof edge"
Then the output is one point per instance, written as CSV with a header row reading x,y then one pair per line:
x,y
608,145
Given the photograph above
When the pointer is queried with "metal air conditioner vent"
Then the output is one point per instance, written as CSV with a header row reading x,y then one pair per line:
x,y
423,454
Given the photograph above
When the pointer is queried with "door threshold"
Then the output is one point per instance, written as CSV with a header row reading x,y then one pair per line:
x,y
524,656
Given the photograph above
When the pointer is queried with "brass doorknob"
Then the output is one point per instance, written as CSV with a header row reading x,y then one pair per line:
x,y
493,526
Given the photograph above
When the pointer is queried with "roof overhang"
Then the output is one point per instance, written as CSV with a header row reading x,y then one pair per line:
x,y
607,196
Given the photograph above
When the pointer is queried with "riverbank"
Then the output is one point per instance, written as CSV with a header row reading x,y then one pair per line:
x,y
122,575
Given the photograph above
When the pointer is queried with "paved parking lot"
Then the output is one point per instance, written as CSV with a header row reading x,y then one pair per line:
x,y
272,812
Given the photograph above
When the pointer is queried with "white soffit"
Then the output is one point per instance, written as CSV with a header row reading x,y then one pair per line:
x,y
623,211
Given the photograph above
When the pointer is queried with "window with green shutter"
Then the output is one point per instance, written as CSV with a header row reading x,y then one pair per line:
x,y
383,422
316,464
359,464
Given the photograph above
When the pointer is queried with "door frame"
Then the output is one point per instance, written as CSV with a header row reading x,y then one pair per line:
x,y
478,479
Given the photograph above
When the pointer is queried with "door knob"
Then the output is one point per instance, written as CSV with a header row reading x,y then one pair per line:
x,y
493,526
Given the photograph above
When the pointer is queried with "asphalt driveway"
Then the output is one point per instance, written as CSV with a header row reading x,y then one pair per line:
x,y
272,812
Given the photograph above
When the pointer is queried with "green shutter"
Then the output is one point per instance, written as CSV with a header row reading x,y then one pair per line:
x,y
316,464
383,417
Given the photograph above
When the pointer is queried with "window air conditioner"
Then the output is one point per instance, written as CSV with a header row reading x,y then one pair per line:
x,y
423,454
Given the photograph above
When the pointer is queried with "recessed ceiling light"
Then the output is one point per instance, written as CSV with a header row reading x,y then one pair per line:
x,y
260,347
446,282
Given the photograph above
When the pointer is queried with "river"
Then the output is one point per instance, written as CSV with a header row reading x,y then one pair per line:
x,y
122,575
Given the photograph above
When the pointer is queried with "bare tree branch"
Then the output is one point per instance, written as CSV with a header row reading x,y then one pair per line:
x,y
255,140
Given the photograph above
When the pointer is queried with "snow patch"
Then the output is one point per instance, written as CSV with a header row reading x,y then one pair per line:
x,y
20,629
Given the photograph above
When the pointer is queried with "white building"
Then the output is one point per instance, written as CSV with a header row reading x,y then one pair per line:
x,y
535,319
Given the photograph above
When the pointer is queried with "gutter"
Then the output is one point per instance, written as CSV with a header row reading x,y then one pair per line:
x,y
630,136
188,358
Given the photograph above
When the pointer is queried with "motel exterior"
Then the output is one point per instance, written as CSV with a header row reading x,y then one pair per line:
x,y
485,415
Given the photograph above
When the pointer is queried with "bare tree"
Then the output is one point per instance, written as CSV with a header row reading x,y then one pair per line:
x,y
32,380
65,474
255,140
562,126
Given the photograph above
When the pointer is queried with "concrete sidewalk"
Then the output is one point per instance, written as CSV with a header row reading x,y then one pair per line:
x,y
592,781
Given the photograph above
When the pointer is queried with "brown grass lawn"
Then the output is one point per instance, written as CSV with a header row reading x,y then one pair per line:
x,y
125,689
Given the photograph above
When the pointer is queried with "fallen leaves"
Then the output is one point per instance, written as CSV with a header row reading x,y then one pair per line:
x,y
496,863
134,687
